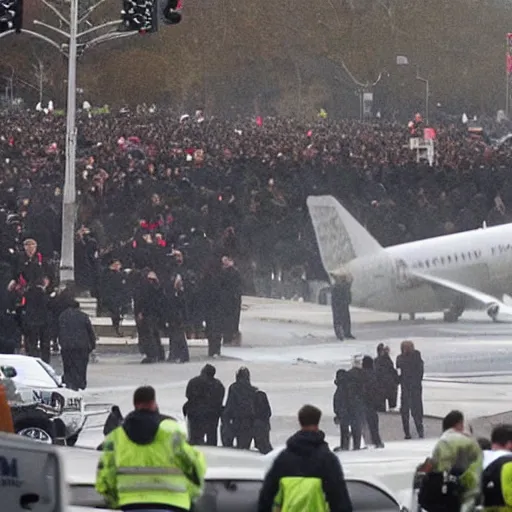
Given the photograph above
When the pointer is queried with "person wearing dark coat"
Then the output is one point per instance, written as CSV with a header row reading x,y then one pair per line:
x,y
356,408
149,305
409,365
231,301
174,316
341,408
261,429
114,293
205,395
10,322
340,302
240,410
36,320
77,341
371,401
387,378
307,460
211,293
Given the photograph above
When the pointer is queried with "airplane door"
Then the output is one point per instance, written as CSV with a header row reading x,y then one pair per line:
x,y
402,275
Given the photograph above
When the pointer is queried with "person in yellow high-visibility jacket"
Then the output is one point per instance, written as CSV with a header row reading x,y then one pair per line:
x,y
147,463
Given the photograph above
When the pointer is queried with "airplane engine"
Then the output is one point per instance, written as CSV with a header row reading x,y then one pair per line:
x,y
493,311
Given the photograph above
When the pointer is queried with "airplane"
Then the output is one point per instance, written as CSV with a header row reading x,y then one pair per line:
x,y
451,273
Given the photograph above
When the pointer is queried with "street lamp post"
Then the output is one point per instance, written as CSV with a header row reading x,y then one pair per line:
x,y
67,264
427,91
67,253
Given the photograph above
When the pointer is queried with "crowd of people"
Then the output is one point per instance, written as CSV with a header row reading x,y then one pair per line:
x,y
181,208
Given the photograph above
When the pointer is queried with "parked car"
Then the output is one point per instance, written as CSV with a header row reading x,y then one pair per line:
x,y
233,482
42,407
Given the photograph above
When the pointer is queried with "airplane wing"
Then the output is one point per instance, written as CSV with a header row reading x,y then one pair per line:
x,y
493,305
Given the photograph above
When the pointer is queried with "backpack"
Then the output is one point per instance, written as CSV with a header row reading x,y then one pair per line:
x,y
441,491
493,476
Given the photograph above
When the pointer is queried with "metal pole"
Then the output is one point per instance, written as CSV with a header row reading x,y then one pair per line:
x,y
507,78
67,263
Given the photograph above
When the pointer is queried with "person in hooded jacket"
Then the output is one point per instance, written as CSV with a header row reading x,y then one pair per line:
x,y
387,378
371,401
240,409
355,393
205,395
147,463
77,340
341,408
306,475
409,365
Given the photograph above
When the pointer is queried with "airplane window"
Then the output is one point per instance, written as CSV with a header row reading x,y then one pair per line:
x,y
463,256
442,260
434,262
455,257
469,255
427,264
449,259
420,264
477,254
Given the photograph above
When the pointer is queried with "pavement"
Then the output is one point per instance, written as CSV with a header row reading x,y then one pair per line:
x,y
293,355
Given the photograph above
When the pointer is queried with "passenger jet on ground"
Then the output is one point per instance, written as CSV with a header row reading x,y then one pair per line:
x,y
449,273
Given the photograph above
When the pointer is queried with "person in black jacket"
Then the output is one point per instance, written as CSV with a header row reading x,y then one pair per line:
x,y
371,401
149,303
231,301
308,460
410,369
387,378
77,341
261,428
174,316
205,395
340,302
114,293
36,320
240,409
355,393
341,404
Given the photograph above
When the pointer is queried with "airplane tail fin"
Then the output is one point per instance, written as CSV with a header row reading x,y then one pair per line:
x,y
339,236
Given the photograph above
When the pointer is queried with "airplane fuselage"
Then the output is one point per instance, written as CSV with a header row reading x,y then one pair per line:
x,y
480,259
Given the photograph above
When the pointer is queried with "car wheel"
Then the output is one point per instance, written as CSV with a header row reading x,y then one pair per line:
x,y
40,433
34,425
71,441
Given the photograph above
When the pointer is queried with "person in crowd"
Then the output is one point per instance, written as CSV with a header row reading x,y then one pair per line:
x,y
306,475
174,292
356,405
10,321
36,320
387,378
203,409
77,340
261,428
31,266
114,293
497,464
409,365
340,302
341,402
240,410
371,401
231,300
147,463
457,453
148,311
214,311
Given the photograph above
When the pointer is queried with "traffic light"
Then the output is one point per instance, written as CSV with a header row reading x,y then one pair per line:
x,y
171,11
11,15
140,15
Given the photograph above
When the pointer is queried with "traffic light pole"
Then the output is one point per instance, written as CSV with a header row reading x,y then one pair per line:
x,y
67,253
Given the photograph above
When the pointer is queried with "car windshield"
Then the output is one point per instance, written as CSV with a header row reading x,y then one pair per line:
x,y
32,372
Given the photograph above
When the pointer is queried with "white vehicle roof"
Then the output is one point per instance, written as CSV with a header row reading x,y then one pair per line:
x,y
31,371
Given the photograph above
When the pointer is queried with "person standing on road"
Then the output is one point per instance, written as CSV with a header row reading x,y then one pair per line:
x,y
240,409
205,395
387,378
147,464
355,394
306,475
371,401
340,302
77,340
409,365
